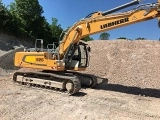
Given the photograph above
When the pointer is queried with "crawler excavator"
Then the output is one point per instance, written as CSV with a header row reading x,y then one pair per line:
x,y
59,66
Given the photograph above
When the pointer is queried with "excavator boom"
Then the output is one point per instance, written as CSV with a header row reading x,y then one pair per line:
x,y
104,21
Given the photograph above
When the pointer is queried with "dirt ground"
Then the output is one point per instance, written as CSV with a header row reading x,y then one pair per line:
x,y
27,103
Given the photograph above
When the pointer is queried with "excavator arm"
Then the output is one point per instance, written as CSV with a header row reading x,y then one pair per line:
x,y
104,21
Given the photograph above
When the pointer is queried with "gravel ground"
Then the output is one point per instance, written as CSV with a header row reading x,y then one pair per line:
x,y
26,103
128,87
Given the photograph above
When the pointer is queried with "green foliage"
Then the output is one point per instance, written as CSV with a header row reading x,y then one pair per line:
x,y
7,21
140,38
29,15
104,36
24,19
122,38
86,39
55,29
3,16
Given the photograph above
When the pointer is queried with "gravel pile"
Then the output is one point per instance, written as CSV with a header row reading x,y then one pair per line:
x,y
124,62
9,44
7,62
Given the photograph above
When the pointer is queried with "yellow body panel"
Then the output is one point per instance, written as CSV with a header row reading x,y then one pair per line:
x,y
37,60
31,59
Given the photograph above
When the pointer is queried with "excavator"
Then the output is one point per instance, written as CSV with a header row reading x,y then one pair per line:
x,y
58,67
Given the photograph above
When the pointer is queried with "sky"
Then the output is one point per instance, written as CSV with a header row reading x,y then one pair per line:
x,y
70,11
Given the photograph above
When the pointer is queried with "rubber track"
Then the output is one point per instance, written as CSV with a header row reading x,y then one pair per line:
x,y
71,78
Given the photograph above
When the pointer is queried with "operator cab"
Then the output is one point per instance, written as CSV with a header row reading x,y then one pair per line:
x,y
78,56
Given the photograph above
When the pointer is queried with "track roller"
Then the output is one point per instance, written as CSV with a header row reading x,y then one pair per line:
x,y
60,82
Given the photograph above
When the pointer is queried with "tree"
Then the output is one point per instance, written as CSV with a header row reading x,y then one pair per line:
x,y
29,13
122,38
86,39
3,16
24,19
56,29
7,22
104,36
140,38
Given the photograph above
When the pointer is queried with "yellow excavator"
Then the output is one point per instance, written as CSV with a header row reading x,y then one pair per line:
x,y
58,66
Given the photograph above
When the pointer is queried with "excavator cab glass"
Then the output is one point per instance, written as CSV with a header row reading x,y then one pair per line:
x,y
78,56
39,45
83,55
